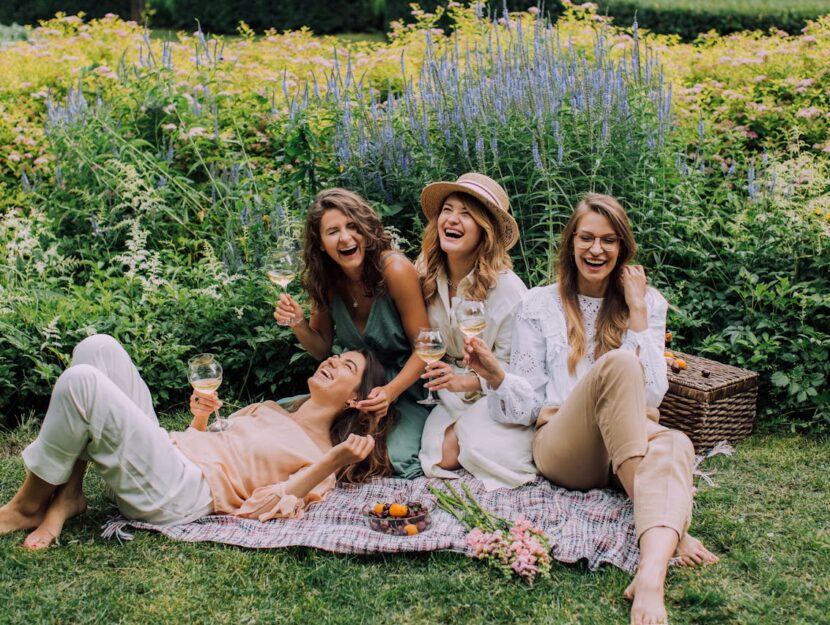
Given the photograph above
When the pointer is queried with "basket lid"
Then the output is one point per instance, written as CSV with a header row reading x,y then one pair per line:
x,y
723,380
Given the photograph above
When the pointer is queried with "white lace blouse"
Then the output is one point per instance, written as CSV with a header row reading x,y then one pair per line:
x,y
538,373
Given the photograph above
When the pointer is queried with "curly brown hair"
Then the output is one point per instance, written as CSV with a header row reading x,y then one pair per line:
x,y
322,273
353,421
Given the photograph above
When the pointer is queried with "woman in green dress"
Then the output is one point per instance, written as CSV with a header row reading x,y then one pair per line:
x,y
364,295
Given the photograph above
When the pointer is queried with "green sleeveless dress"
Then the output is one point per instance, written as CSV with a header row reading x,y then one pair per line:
x,y
385,336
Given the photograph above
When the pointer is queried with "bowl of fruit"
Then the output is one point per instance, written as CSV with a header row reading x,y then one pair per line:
x,y
398,519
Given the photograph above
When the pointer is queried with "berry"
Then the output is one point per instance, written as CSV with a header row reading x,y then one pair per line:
x,y
706,373
675,368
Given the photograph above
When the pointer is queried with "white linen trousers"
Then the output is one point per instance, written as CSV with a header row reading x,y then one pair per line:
x,y
101,410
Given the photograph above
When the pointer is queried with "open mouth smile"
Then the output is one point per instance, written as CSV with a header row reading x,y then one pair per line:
x,y
594,262
349,251
326,373
452,233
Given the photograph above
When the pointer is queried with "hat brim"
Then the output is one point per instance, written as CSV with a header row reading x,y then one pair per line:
x,y
434,194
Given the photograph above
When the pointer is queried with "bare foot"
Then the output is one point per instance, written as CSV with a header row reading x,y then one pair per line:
x,y
648,607
13,518
691,552
63,507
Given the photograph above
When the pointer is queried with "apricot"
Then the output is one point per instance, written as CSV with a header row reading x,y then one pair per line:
x,y
680,363
410,529
398,510
378,509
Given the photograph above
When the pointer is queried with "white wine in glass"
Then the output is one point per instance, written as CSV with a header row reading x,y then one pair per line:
x,y
472,318
429,346
205,375
282,267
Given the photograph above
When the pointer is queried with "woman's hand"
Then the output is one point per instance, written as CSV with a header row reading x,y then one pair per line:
x,y
440,376
480,359
288,311
201,407
633,279
377,402
354,449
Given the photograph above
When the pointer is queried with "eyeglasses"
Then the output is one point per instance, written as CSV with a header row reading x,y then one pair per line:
x,y
585,241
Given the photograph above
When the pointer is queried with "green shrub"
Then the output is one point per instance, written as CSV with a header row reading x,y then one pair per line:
x,y
31,11
689,18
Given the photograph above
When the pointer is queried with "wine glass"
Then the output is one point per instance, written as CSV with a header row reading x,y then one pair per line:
x,y
471,315
429,345
205,374
281,266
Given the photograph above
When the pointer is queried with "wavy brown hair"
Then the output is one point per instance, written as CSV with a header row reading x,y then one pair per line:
x,y
491,255
321,272
613,314
354,421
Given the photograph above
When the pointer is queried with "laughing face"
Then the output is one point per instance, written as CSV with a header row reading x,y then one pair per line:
x,y
342,239
596,248
338,377
458,232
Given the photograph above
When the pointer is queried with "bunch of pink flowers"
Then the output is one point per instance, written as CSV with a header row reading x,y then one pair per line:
x,y
515,549
523,550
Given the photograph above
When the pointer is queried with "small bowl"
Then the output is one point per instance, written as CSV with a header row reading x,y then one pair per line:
x,y
418,518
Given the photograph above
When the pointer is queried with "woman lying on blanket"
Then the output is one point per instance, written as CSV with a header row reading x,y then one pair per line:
x,y
587,367
464,256
364,295
268,464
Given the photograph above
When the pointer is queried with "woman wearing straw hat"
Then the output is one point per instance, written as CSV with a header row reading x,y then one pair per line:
x,y
587,369
464,257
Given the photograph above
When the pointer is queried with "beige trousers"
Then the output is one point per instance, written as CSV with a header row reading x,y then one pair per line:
x,y
603,423
101,410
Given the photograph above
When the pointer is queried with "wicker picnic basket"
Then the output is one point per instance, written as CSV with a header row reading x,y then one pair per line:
x,y
720,406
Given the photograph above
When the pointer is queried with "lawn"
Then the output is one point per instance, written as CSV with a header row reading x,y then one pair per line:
x,y
767,518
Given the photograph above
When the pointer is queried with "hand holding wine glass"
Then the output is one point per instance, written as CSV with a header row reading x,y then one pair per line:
x,y
429,346
205,375
472,318
281,267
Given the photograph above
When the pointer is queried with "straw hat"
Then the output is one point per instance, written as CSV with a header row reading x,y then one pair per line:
x,y
485,190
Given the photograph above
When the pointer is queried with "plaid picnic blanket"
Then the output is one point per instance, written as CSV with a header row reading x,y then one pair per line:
x,y
596,526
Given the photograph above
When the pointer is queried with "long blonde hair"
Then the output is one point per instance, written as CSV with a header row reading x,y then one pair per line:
x,y
613,314
491,255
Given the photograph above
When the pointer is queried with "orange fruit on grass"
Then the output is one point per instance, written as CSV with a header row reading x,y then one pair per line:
x,y
668,337
378,509
410,529
398,510
680,363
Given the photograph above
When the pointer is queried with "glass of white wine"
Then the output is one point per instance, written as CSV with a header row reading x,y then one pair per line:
x,y
429,345
205,374
471,315
281,267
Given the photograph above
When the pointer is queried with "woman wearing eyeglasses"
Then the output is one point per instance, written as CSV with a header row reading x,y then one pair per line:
x,y
587,367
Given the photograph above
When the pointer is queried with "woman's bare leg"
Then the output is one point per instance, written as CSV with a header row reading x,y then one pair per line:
x,y
450,450
68,502
27,508
658,545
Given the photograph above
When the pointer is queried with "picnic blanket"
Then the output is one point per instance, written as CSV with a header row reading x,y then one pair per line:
x,y
596,526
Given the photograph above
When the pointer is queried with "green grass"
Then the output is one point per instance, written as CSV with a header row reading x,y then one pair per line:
x,y
768,519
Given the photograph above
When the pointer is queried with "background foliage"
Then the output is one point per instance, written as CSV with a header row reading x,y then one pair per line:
x,y
141,182
687,18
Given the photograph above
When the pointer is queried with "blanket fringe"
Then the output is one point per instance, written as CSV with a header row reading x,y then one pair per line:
x,y
723,448
115,529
